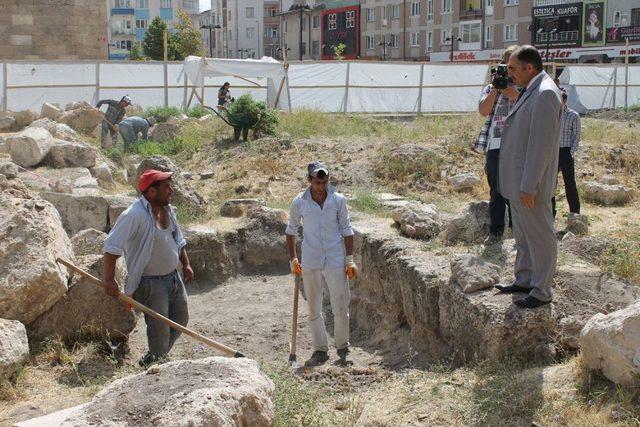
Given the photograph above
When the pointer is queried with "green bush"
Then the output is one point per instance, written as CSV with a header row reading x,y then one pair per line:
x,y
162,114
250,110
198,112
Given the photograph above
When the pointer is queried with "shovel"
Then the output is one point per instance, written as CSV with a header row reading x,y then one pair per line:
x,y
294,325
135,304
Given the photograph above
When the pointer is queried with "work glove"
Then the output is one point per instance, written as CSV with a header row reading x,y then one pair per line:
x,y
296,268
350,267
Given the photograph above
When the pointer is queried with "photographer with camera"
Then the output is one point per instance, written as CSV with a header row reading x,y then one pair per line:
x,y
495,103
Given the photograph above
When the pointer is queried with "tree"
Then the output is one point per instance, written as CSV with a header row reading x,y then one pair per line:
x,y
186,40
338,51
136,53
154,39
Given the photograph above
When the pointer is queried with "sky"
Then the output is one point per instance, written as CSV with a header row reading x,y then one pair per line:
x,y
204,5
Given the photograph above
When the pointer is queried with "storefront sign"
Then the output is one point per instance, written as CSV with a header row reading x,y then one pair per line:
x,y
619,34
565,19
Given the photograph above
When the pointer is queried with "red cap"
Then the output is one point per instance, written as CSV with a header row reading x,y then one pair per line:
x,y
150,176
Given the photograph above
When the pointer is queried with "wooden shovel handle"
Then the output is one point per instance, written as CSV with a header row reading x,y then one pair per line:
x,y
130,301
294,320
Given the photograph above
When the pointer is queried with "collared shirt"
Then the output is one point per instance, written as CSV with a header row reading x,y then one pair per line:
x,y
533,80
114,113
137,125
491,132
570,129
133,236
323,229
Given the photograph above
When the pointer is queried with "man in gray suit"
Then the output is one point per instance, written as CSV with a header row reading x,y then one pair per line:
x,y
527,176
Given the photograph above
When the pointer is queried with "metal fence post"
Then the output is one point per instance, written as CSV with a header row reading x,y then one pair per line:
x,y
346,89
420,89
166,84
96,94
5,77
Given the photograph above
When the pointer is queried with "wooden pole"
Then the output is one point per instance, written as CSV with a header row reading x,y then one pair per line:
x,y
294,322
626,72
275,105
130,301
5,77
165,44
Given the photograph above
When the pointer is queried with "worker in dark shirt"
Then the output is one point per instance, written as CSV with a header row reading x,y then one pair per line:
x,y
114,115
223,95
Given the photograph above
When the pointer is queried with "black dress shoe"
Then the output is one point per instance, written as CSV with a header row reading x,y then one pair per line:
x,y
530,302
512,289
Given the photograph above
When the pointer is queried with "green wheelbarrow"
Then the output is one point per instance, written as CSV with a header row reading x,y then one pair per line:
x,y
240,122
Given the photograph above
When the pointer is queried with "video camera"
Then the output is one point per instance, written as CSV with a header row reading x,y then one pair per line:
x,y
500,77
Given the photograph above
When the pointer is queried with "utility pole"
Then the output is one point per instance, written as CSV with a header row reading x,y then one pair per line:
x,y
451,39
300,8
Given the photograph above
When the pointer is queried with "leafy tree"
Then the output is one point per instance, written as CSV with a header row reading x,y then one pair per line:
x,y
136,53
338,51
154,39
186,40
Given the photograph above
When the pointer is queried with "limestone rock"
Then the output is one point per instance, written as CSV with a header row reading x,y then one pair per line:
x,y
7,121
214,391
83,119
237,207
210,256
65,154
30,146
9,169
14,347
162,132
57,130
470,226
183,195
605,194
74,105
14,188
31,238
50,111
264,247
611,344
24,118
588,248
102,172
577,224
79,212
473,273
418,220
88,242
117,205
86,311
68,180
412,158
464,181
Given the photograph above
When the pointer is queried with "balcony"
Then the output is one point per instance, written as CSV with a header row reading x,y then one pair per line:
x,y
122,11
470,9
537,3
562,36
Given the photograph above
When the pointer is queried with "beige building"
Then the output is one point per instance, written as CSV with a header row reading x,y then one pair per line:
x,y
308,19
48,29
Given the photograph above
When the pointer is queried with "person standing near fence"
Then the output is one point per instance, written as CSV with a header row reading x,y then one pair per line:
x,y
114,115
569,140
495,104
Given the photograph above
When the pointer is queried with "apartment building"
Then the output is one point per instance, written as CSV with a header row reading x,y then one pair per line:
x,y
247,28
129,20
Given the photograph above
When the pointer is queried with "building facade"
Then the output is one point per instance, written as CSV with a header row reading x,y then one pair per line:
x,y
74,29
129,20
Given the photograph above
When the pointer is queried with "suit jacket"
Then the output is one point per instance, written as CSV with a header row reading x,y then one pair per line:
x,y
530,143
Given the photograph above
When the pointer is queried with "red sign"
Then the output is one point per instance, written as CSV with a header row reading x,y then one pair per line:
x,y
341,26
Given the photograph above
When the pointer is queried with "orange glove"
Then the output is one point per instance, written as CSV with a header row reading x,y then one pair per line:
x,y
296,267
350,267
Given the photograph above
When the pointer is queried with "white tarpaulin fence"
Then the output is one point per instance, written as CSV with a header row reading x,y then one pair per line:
x,y
330,86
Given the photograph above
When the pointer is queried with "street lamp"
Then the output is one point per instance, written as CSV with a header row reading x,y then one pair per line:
x,y
209,27
224,45
451,39
300,8
258,35
384,45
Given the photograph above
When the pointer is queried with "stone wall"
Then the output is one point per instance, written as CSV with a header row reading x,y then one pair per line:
x,y
53,29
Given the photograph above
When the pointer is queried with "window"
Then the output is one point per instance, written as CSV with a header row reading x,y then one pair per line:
x,y
635,17
488,37
270,12
371,14
166,4
621,18
511,2
429,41
315,48
470,33
249,12
142,4
141,23
230,35
229,15
446,6
303,48
250,33
118,4
489,8
429,10
415,39
271,33
383,14
123,44
316,21
415,8
511,33
394,40
370,42
446,37
188,4
285,26
395,11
